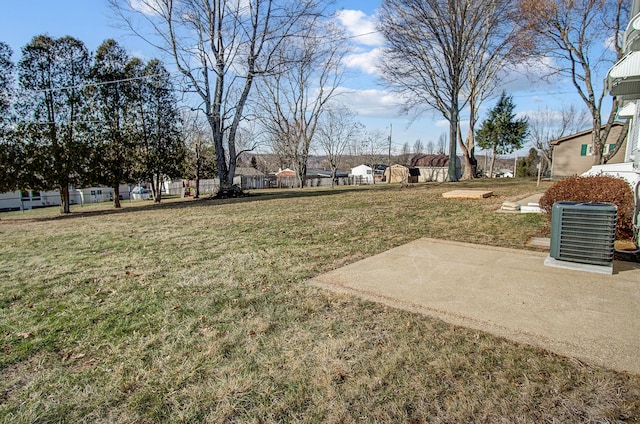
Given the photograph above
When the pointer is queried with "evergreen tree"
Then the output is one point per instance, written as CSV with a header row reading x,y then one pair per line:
x,y
161,146
527,167
52,111
113,101
6,79
10,157
501,132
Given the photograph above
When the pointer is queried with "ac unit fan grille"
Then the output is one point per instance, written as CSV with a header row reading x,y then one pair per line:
x,y
583,232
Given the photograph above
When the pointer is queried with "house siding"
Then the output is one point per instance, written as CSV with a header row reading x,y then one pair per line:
x,y
572,156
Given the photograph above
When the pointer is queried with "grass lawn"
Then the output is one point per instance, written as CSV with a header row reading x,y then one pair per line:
x,y
198,311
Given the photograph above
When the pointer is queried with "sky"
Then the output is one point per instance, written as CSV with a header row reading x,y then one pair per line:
x,y
92,21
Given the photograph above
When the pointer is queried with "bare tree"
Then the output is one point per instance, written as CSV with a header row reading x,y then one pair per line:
x,y
499,43
375,145
418,147
294,98
220,47
442,144
547,125
405,154
247,139
357,148
430,148
572,33
197,139
446,55
338,129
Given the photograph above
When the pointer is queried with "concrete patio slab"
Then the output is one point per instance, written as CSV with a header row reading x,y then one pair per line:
x,y
509,293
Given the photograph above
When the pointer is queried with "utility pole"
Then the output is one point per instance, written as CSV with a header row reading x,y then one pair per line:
x,y
389,159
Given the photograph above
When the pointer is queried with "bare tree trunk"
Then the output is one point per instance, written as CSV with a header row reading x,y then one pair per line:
x,y
619,142
597,141
468,154
64,199
453,136
157,188
493,163
116,196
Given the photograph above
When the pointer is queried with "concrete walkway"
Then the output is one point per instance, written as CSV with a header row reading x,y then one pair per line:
x,y
509,293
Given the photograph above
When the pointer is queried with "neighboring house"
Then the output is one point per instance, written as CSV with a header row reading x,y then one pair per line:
x,y
324,173
573,155
434,167
248,172
249,178
321,177
28,199
33,199
286,178
362,174
315,177
207,186
87,195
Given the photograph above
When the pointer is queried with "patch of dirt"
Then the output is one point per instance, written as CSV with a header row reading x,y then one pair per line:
x,y
20,375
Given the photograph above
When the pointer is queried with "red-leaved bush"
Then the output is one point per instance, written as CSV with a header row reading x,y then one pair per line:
x,y
595,189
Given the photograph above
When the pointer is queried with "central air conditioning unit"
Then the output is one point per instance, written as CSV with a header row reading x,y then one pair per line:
x,y
583,236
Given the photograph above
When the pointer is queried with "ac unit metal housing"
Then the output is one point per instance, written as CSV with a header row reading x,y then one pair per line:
x,y
583,232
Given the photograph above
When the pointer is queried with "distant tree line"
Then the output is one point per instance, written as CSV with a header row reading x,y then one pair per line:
x,y
77,119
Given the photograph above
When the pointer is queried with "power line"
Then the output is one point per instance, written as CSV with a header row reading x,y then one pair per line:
x,y
91,84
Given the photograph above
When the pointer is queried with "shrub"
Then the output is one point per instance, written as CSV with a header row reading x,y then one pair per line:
x,y
595,189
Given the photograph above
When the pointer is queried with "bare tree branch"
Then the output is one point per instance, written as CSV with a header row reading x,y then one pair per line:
x,y
295,97
447,55
572,33
220,48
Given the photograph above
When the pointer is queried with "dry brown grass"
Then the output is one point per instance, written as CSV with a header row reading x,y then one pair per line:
x,y
197,311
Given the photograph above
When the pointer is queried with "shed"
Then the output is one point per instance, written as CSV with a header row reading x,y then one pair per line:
x,y
397,174
362,174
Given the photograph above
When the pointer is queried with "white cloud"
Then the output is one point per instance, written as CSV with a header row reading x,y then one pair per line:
x,y
139,54
610,43
528,75
365,61
361,27
148,7
371,103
